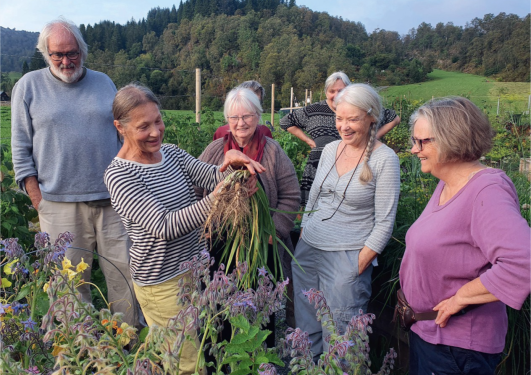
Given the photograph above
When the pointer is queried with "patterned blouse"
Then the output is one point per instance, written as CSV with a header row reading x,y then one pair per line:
x,y
319,122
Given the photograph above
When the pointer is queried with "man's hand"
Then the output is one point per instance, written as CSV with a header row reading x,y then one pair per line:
x,y
33,190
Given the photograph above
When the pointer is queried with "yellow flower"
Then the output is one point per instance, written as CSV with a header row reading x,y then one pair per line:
x,y
82,266
71,274
66,264
8,266
57,349
5,283
45,287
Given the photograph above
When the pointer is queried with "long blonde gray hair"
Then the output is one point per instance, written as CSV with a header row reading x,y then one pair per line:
x,y
367,99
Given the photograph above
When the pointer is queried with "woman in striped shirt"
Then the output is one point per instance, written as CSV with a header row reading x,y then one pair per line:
x,y
151,187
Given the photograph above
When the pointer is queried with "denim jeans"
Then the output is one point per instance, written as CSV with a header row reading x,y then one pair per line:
x,y
336,274
427,359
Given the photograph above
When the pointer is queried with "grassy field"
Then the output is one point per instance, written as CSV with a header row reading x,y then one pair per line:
x,y
5,125
14,75
483,91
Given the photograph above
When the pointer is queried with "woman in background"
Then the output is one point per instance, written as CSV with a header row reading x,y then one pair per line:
x,y
316,126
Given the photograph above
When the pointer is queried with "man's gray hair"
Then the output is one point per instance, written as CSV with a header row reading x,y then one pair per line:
x,y
256,87
334,77
66,25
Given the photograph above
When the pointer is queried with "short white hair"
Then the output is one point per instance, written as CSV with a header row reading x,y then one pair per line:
x,y
68,26
335,77
242,98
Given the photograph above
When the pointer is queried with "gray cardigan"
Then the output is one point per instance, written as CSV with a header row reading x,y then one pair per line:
x,y
279,182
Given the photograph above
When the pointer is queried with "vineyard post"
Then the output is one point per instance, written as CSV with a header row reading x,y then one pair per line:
x,y
311,94
306,98
291,101
198,95
498,109
273,105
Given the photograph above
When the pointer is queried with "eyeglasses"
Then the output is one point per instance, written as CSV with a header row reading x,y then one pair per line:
x,y
234,119
419,142
58,56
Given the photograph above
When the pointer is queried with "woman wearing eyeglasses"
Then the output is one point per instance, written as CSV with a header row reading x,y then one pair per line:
x,y
354,199
467,255
243,114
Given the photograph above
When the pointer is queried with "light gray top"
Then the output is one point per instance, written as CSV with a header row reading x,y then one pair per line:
x,y
63,133
366,216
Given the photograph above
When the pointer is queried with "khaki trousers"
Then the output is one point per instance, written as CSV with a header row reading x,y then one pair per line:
x,y
95,229
159,303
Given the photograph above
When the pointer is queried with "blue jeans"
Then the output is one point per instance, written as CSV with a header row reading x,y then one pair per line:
x,y
428,359
336,274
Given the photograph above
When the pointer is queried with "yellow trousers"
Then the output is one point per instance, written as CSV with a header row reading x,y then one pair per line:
x,y
159,303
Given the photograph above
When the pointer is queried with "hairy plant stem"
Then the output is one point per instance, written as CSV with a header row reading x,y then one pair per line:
x,y
205,336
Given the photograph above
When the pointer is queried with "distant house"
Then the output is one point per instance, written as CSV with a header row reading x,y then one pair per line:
x,y
4,97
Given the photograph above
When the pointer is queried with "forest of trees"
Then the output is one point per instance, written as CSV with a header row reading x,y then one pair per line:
x,y
275,41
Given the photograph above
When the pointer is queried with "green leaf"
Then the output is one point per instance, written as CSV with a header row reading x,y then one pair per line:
x,y
43,303
143,333
26,289
242,371
236,357
246,363
240,338
239,321
272,357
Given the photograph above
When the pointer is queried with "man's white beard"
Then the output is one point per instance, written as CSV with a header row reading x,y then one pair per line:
x,y
68,78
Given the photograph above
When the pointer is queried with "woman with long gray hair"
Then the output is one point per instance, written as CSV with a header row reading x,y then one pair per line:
x,y
355,190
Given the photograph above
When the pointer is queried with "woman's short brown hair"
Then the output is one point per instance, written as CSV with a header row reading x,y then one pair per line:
x,y
128,98
461,131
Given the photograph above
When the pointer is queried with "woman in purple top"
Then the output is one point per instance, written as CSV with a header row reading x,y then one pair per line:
x,y
468,249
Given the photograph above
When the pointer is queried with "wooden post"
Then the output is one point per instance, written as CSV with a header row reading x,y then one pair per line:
x,y
197,95
291,101
498,109
528,103
311,96
273,105
306,98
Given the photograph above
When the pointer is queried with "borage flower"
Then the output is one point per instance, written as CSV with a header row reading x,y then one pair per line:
x,y
29,324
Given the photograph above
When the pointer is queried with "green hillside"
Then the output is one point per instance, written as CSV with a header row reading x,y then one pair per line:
x,y
483,91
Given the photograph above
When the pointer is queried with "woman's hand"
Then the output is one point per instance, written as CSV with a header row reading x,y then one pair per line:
x,y
252,187
472,293
446,309
239,159
311,142
365,258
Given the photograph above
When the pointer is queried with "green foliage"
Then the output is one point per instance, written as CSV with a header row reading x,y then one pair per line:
x,y
184,132
15,210
245,352
296,149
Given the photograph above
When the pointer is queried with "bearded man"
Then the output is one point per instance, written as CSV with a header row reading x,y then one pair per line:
x,y
63,139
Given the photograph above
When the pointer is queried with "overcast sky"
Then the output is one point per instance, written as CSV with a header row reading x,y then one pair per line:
x,y
394,15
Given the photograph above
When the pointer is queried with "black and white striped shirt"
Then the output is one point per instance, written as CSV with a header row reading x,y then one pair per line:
x,y
159,210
